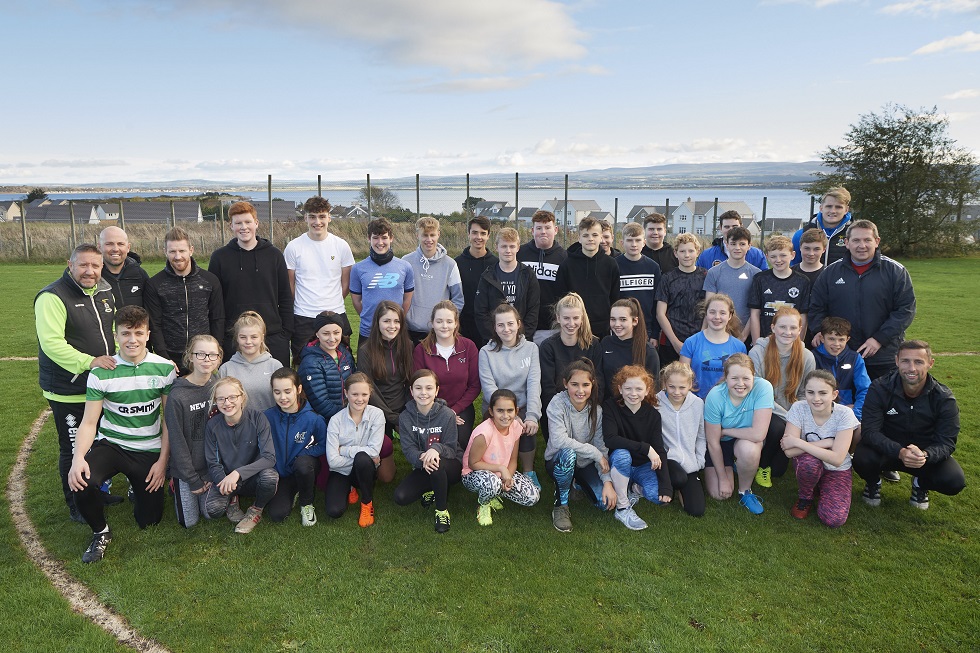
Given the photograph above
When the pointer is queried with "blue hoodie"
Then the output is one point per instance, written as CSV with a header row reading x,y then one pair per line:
x,y
851,374
303,433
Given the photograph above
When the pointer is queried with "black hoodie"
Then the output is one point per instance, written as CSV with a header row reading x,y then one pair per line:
x,y
129,285
470,269
255,280
596,279
545,264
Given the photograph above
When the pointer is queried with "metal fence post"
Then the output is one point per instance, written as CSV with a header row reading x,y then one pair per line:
x,y
418,202
369,196
467,211
71,217
517,202
173,215
122,217
764,200
221,219
319,186
714,221
812,202
272,226
565,218
23,230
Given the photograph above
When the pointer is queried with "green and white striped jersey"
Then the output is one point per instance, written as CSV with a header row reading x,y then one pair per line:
x,y
131,397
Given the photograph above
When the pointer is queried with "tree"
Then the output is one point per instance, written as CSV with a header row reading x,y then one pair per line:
x,y
383,200
469,205
905,174
36,194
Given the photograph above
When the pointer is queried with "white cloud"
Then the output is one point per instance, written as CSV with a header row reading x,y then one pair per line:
x,y
960,116
963,95
883,60
931,7
476,84
83,163
816,4
510,160
968,41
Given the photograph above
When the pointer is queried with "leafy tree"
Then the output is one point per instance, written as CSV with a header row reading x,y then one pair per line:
x,y
383,201
469,205
905,174
36,194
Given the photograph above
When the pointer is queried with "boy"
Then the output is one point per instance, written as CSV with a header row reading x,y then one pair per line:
x,y
733,276
130,438
543,255
318,264
638,277
833,219
678,295
812,244
608,239
777,287
378,277
507,281
591,274
656,247
436,278
845,364
717,253
471,263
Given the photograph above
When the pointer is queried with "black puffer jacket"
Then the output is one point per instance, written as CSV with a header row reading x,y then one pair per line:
x,y
183,307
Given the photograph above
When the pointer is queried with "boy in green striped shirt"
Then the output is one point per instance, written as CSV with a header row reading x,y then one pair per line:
x,y
131,436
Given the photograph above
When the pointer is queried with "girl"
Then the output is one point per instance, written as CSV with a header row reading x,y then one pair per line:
x,y
386,357
820,456
720,337
299,436
252,363
354,439
455,360
241,457
682,420
325,365
490,460
736,417
510,361
782,360
186,415
627,344
575,447
430,444
631,430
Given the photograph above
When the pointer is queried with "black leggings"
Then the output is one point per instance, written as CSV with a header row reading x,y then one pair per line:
x,y
772,453
301,481
945,477
105,460
464,430
689,485
363,476
419,481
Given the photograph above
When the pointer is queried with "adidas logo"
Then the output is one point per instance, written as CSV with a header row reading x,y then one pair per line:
x,y
767,292
840,282
743,276
892,411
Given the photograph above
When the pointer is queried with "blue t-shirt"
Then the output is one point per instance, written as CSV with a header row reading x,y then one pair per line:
x,y
708,359
718,407
376,283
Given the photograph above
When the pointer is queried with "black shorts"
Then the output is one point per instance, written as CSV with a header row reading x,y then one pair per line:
x,y
727,454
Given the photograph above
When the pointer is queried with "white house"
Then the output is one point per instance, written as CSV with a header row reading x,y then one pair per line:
x,y
84,213
494,210
697,217
573,213
639,212
9,211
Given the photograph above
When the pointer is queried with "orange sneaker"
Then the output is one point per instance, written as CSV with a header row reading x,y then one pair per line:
x,y
352,497
367,515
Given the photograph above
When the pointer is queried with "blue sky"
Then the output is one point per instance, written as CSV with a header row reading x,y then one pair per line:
x,y
238,89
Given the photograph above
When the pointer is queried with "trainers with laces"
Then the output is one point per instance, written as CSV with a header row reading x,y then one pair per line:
x,y
496,503
872,494
629,519
891,476
252,518
751,502
96,549
801,509
533,476
353,497
442,521
483,516
763,477
562,518
634,497
234,511
367,515
428,498
308,513
920,497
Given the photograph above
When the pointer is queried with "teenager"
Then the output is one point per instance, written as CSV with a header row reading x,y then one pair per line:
x,y
511,361
813,245
679,293
186,416
733,276
471,263
543,255
631,430
490,460
627,344
429,441
325,365
592,274
656,246
817,438
436,278
299,436
386,357
833,220
638,277
380,276
241,457
576,450
707,350
608,241
253,363
507,282
776,288
682,423
718,252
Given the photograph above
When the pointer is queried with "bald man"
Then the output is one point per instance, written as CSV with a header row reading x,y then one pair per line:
x,y
121,269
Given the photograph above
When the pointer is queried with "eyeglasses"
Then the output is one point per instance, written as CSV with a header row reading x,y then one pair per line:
x,y
230,399
204,356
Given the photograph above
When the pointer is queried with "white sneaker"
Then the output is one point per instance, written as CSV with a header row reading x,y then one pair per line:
x,y
630,519
634,493
308,514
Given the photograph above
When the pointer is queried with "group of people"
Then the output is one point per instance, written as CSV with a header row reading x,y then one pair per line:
x,y
656,372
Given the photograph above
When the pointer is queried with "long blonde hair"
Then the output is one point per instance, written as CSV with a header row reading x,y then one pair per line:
x,y
573,301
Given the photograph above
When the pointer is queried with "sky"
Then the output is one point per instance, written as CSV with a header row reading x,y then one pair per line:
x,y
100,91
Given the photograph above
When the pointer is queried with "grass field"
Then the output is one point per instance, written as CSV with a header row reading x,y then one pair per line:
x,y
892,579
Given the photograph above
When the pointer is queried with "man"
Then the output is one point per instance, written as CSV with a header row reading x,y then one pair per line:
x,y
718,253
436,278
471,263
833,219
378,277
73,318
656,248
638,277
591,274
872,292
318,264
543,255
910,424
121,268
131,436
183,301
507,282
734,275
254,277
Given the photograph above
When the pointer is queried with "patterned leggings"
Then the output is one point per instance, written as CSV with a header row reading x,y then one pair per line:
x,y
564,469
834,488
624,472
488,487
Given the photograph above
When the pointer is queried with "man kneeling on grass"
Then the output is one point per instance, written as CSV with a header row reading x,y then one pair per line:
x,y
131,437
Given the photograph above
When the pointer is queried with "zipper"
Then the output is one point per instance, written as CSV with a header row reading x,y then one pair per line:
x,y
187,314
99,320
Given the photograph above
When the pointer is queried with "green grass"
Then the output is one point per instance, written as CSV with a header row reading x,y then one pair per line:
x,y
892,579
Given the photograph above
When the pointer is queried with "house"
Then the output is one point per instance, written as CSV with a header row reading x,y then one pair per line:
x,y
785,226
525,214
573,213
9,211
282,211
153,212
84,213
602,215
698,217
492,209
640,212
354,212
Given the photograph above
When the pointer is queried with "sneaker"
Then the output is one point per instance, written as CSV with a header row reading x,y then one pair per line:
x,y
111,499
442,521
891,476
629,519
920,497
353,497
308,514
802,508
367,515
252,518
234,512
872,494
562,518
533,476
751,502
483,516
634,497
130,494
496,503
96,549
428,498
763,477
75,515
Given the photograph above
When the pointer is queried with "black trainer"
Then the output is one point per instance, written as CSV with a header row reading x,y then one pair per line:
x,y
920,497
428,498
96,549
111,499
872,494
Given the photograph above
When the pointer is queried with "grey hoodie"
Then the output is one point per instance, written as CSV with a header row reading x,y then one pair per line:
x,y
245,447
256,377
758,355
683,431
436,278
434,430
569,429
187,417
517,369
